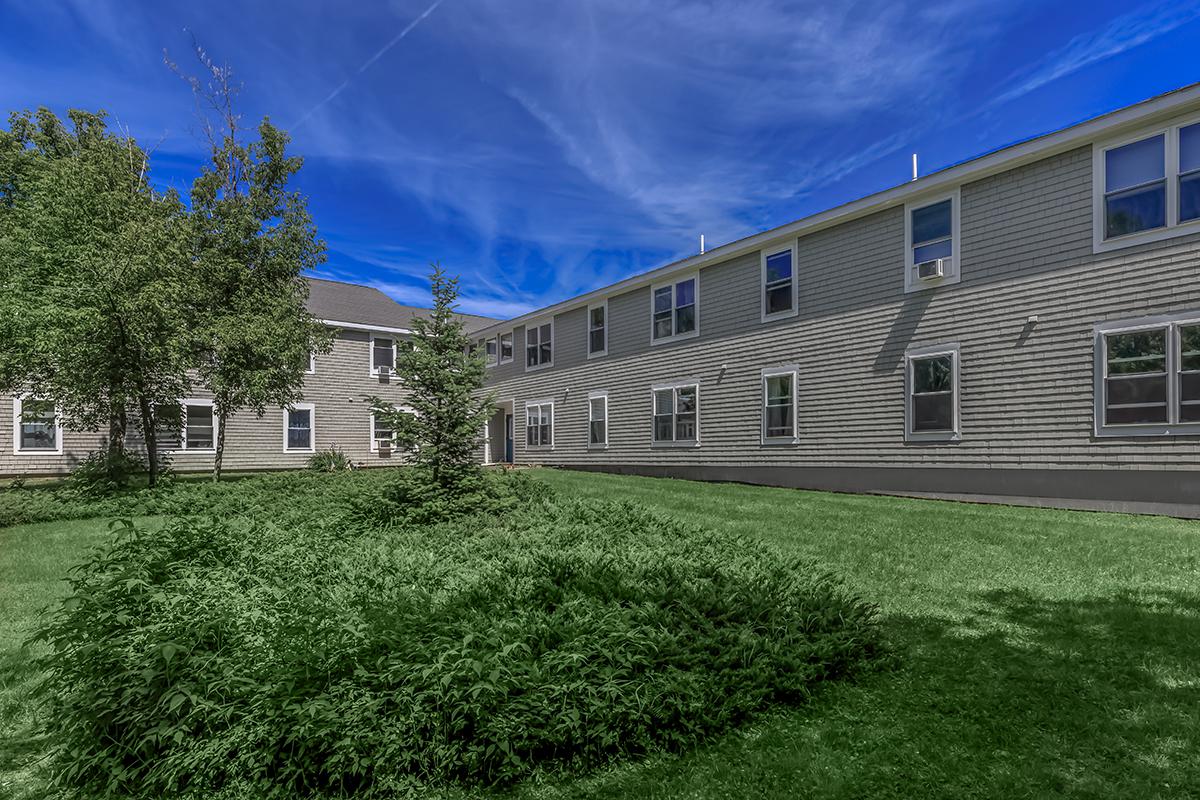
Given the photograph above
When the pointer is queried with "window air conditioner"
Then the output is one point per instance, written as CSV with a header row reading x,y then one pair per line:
x,y
934,268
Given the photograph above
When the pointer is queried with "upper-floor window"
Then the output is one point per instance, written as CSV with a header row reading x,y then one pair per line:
x,y
298,428
598,419
673,309
383,355
312,363
506,347
931,243
539,345
1147,188
37,429
539,423
598,329
199,429
779,405
1148,376
931,402
778,284
676,414
492,350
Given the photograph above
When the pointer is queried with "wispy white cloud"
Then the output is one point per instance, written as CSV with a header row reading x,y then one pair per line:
x,y
1121,34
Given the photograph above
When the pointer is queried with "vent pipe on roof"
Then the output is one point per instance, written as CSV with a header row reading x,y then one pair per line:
x,y
914,166
702,244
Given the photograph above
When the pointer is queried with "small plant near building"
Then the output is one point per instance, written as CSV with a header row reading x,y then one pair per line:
x,y
331,459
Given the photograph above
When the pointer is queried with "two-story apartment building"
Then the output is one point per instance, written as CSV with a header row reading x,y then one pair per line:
x,y
1024,324
334,412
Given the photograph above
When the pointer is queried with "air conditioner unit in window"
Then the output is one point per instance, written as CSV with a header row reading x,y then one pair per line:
x,y
934,268
384,372
385,447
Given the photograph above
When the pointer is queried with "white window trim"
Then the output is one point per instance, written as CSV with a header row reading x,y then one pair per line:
x,y
196,401
588,324
1172,427
512,347
770,252
675,385
1173,227
374,372
525,344
312,363
549,401
914,354
771,372
491,361
597,395
374,446
911,282
312,428
674,337
18,407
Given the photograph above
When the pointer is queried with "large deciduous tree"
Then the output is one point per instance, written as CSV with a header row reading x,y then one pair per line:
x,y
254,237
444,377
92,266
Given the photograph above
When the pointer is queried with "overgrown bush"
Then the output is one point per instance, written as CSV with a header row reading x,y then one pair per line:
x,y
555,637
330,460
412,497
102,472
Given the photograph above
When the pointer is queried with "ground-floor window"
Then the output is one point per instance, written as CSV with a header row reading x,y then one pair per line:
x,y
779,405
199,430
676,414
382,435
539,424
298,428
37,428
931,404
1148,376
598,419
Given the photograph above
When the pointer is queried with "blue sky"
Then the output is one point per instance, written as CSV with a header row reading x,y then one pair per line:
x,y
542,149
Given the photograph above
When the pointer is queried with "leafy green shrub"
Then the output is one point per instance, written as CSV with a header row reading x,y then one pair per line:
x,y
330,460
103,473
412,497
556,637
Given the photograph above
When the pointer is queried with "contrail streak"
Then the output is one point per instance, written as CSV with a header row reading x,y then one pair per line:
x,y
367,64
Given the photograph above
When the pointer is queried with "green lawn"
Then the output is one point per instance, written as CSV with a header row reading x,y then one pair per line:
x,y
1040,653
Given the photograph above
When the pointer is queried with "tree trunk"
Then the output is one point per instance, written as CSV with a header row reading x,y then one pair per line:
x,y
117,423
150,437
220,454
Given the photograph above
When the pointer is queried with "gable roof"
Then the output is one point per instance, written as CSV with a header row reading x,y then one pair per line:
x,y
351,305
1103,127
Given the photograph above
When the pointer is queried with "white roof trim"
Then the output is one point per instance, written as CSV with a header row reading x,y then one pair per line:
x,y
1103,126
359,326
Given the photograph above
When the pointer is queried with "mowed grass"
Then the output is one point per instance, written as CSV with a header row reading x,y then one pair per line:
x,y
34,560
1039,653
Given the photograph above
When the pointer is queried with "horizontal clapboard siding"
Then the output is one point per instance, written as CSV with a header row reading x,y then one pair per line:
x,y
338,392
1026,390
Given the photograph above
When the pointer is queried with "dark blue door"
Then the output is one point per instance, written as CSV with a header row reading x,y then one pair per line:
x,y
508,438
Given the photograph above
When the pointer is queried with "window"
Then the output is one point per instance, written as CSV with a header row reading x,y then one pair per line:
x,y
492,351
598,329
673,309
598,420
539,345
779,405
199,425
539,424
381,433
931,408
676,415
312,363
506,348
1147,188
1189,173
37,429
298,428
1148,377
383,355
778,284
931,242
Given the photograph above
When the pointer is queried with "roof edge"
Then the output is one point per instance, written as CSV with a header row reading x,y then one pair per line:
x,y
1006,158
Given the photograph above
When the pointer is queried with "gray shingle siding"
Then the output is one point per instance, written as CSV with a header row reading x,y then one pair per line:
x,y
1026,393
